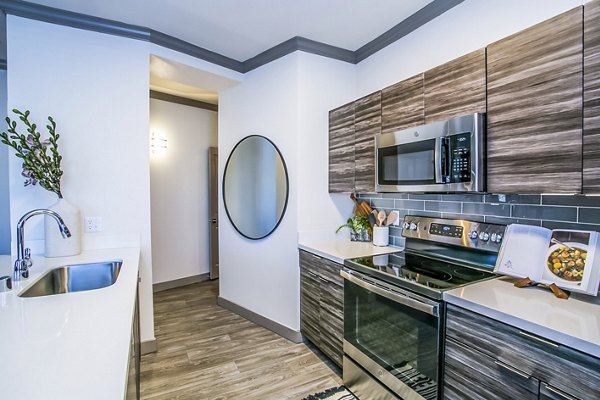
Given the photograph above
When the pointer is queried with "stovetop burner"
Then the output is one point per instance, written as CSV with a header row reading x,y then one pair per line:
x,y
423,274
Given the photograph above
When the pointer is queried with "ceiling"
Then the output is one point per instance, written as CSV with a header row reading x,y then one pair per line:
x,y
241,29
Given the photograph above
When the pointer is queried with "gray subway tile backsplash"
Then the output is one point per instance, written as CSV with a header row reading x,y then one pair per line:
x,y
591,215
443,206
545,212
382,203
514,198
410,204
576,201
551,211
501,210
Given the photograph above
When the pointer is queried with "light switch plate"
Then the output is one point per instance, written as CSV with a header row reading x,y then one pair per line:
x,y
397,220
93,224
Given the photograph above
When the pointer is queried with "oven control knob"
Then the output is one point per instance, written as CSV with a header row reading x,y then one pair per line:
x,y
493,237
473,235
405,225
484,236
413,226
498,238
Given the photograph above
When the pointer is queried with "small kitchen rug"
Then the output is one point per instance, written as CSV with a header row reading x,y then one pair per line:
x,y
338,393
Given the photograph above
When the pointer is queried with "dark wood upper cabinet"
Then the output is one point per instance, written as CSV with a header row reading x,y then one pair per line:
x,y
402,105
455,88
534,111
367,124
341,149
591,97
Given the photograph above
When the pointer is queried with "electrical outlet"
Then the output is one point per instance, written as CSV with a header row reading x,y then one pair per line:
x,y
397,220
93,224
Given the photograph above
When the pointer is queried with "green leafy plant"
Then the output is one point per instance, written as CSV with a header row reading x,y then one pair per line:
x,y
41,160
357,223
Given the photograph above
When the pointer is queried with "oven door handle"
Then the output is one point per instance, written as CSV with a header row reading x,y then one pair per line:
x,y
394,296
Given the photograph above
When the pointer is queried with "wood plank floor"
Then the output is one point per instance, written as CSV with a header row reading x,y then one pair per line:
x,y
208,352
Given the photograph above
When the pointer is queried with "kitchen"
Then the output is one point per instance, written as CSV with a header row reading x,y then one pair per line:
x,y
283,100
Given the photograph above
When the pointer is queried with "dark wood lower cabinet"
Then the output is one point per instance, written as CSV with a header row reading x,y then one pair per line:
x,y
487,359
322,304
470,375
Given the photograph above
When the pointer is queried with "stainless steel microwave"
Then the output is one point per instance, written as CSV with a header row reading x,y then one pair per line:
x,y
445,156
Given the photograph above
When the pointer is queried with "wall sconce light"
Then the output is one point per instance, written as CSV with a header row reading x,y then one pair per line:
x,y
158,143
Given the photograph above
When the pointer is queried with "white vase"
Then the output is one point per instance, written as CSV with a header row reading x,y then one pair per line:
x,y
56,245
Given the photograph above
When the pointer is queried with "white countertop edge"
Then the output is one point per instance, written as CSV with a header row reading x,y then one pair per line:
x,y
338,250
539,330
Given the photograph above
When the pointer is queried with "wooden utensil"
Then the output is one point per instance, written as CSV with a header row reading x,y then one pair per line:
x,y
375,217
358,210
391,218
381,217
366,207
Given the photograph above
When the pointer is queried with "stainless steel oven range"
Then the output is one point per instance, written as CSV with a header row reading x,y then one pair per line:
x,y
393,308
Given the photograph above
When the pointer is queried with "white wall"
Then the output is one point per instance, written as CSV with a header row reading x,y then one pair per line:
x,y
4,195
324,84
96,88
288,102
180,190
469,26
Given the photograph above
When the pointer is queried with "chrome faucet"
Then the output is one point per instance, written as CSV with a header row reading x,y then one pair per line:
x,y
23,261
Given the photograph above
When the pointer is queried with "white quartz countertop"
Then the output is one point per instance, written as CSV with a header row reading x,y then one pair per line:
x,y
339,250
574,322
72,345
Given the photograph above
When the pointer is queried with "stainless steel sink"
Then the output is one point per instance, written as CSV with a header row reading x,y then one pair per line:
x,y
75,278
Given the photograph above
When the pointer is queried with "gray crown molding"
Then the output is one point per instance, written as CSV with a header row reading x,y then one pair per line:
x,y
183,100
298,43
82,21
410,24
72,19
182,46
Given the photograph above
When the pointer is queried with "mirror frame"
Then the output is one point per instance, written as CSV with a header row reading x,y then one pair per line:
x,y
287,187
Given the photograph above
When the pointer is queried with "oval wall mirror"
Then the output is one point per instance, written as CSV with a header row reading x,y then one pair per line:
x,y
255,187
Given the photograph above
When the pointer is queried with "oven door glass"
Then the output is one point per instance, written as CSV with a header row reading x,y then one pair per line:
x,y
407,164
401,339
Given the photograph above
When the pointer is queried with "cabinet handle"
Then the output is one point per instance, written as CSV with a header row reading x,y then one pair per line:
x,y
559,392
313,274
512,369
539,339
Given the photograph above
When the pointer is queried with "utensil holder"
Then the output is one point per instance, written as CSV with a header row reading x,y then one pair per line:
x,y
381,235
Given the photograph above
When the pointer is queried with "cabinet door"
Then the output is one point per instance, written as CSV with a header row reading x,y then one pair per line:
x,y
402,105
341,149
591,97
367,124
455,88
310,293
566,369
332,320
534,82
471,375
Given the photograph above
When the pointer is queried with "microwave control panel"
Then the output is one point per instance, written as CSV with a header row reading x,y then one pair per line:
x,y
460,157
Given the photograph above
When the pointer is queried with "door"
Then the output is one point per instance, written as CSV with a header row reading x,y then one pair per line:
x,y
213,179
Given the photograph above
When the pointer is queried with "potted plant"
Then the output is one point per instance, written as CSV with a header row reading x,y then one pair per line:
x,y
360,228
41,165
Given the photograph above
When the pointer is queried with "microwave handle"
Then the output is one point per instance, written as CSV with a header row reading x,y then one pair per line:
x,y
440,160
